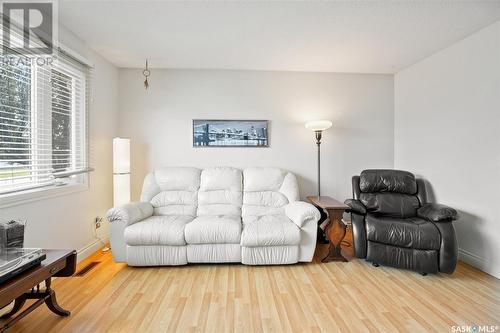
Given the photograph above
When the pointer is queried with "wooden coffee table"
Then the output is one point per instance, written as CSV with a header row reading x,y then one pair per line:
x,y
26,286
336,229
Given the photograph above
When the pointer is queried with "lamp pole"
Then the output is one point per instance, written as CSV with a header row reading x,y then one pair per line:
x,y
318,126
318,143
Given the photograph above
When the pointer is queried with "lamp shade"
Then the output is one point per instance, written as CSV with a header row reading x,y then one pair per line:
x,y
318,125
121,155
121,189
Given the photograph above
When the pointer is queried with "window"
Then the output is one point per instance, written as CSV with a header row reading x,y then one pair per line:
x,y
43,134
61,120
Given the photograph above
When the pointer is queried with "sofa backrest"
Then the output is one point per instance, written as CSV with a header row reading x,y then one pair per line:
x,y
389,192
172,191
266,191
220,192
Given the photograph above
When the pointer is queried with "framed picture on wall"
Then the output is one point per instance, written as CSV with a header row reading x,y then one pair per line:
x,y
230,133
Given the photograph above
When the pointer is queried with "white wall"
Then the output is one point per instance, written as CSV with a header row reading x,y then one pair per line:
x,y
447,121
159,121
67,221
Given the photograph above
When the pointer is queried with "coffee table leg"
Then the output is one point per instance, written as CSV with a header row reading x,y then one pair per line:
x,y
51,301
18,304
336,232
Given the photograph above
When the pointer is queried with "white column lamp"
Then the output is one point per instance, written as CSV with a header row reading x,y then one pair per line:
x,y
121,171
318,126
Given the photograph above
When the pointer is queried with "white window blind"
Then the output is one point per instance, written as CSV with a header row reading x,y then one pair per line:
x,y
43,122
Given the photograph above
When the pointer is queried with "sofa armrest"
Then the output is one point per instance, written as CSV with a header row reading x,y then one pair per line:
x,y
355,206
300,212
437,213
130,213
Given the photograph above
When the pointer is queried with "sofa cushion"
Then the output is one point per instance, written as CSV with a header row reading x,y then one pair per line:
x,y
220,192
213,230
269,230
390,204
262,179
387,181
219,209
415,233
265,198
175,203
221,178
271,179
172,191
178,179
266,191
158,230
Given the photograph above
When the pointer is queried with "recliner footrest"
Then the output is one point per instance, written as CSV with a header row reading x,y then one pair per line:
x,y
413,259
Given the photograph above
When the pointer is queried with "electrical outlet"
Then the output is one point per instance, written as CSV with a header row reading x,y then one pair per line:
x,y
97,222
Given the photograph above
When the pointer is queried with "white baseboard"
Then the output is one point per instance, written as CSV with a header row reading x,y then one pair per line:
x,y
90,248
479,262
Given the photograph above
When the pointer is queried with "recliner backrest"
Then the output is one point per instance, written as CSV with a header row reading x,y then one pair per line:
x,y
389,192
267,190
397,181
220,192
172,191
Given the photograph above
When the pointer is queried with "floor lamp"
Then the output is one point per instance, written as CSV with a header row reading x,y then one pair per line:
x,y
121,171
121,174
318,126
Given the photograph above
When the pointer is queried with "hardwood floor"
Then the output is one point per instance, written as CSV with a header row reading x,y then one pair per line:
x,y
333,297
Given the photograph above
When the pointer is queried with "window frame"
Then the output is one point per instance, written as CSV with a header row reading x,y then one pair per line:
x,y
41,193
62,186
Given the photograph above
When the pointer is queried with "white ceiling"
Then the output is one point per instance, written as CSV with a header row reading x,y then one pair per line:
x,y
329,36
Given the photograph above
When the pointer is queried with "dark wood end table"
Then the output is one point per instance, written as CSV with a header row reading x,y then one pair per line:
x,y
336,228
27,286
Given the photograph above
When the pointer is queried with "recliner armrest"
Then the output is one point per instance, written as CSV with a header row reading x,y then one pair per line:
x,y
130,213
300,212
437,213
356,206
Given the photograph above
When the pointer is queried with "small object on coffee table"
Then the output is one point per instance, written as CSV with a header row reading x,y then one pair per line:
x,y
336,228
11,234
57,263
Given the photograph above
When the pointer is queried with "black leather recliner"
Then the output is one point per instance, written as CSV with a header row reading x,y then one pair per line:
x,y
394,225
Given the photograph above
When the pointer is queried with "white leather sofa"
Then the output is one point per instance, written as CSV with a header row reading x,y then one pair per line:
x,y
221,214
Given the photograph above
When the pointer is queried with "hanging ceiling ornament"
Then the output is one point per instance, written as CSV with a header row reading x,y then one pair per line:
x,y
146,72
